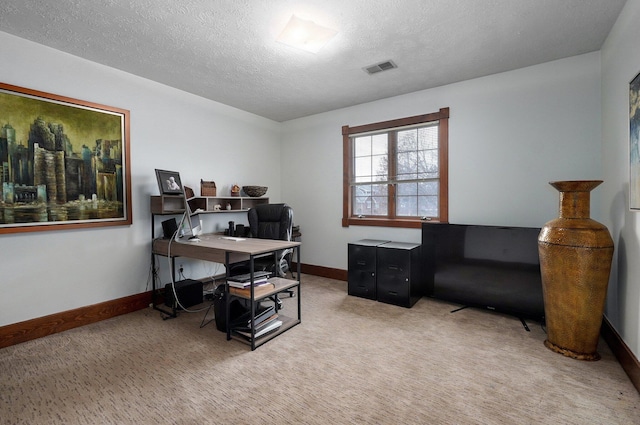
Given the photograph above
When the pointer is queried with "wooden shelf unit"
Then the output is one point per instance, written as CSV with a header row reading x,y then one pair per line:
x,y
208,203
280,285
167,204
174,204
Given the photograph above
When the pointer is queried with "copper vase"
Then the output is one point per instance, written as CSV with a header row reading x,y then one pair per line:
x,y
575,262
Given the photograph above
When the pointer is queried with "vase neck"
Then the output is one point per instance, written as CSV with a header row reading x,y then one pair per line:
x,y
575,204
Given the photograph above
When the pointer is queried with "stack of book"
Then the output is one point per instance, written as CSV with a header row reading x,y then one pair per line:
x,y
244,280
265,321
241,284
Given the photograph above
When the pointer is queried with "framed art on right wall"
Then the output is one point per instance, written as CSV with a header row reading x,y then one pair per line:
x,y
634,143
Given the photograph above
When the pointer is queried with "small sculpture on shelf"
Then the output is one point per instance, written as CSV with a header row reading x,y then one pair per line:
x,y
235,190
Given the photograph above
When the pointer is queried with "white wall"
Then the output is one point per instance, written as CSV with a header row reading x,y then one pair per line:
x,y
48,272
509,135
620,64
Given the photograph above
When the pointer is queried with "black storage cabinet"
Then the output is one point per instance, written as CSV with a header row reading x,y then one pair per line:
x,y
362,268
399,279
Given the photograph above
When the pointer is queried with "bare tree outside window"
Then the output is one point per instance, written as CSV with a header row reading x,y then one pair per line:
x,y
396,171
418,172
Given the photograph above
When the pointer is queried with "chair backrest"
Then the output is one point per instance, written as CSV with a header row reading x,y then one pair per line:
x,y
271,221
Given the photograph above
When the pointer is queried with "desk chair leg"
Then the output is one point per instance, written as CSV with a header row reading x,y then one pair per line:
x,y
289,291
278,302
285,266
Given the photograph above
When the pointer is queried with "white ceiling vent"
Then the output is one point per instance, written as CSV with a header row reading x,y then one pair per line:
x,y
379,67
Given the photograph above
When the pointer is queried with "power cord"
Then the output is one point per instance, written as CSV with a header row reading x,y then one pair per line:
x,y
212,284
171,272
152,273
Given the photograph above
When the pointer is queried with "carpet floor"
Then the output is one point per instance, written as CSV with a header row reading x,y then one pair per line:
x,y
350,361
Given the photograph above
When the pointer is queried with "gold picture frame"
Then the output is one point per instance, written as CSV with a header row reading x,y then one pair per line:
x,y
64,162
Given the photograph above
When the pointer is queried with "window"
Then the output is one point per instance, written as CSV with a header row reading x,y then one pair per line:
x,y
396,172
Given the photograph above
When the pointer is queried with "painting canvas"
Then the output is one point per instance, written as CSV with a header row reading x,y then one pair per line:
x,y
64,162
634,143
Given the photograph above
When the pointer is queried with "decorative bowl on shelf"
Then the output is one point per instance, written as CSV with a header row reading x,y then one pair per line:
x,y
255,191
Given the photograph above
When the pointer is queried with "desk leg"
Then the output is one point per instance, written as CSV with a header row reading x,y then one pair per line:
x,y
227,296
154,289
298,266
154,278
252,307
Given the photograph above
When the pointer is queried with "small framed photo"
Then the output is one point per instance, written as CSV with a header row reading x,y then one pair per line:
x,y
169,182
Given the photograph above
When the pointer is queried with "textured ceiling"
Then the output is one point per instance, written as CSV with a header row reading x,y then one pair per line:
x,y
225,50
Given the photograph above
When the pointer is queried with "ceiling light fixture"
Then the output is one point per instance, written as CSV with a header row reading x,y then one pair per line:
x,y
305,35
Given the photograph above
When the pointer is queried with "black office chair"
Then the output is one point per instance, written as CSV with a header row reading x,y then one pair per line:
x,y
270,221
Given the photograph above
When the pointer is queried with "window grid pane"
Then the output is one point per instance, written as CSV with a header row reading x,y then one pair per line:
x,y
379,145
370,200
406,206
362,146
428,206
417,206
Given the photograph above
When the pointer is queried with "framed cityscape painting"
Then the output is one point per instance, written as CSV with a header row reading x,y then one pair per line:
x,y
634,143
64,163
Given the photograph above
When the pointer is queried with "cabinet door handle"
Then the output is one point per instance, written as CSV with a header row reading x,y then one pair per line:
x,y
362,263
392,267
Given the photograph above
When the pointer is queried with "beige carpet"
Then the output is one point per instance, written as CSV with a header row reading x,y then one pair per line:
x,y
351,361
